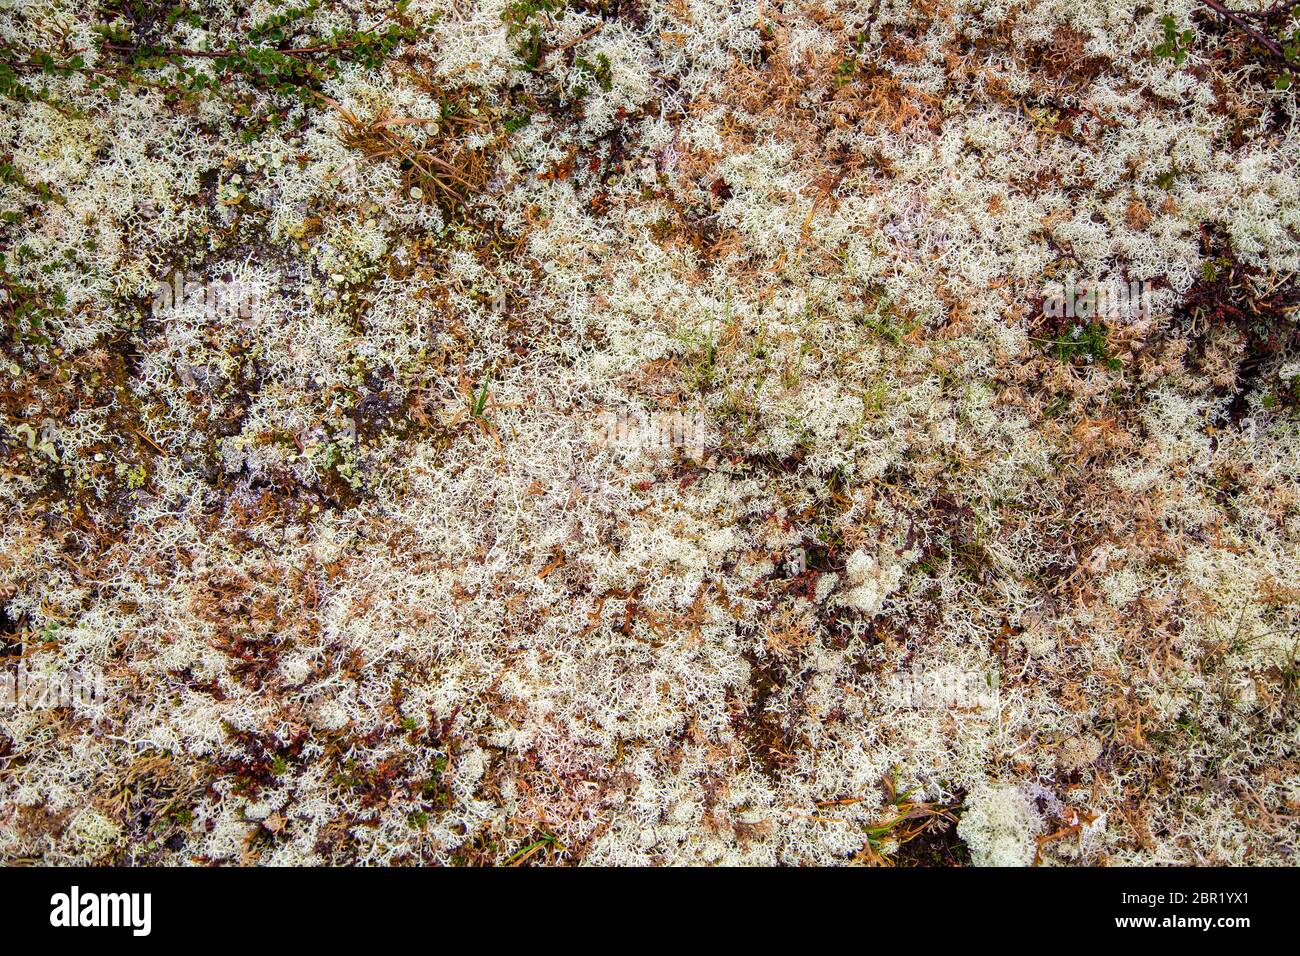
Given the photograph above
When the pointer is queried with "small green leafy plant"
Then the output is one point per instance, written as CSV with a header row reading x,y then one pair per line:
x,y
1290,44
1087,342
278,55
523,25
1176,43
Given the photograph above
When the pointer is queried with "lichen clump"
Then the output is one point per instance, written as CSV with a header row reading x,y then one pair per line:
x,y
636,432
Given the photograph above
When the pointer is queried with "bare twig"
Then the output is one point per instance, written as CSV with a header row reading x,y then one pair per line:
x,y
579,39
1282,6
1263,40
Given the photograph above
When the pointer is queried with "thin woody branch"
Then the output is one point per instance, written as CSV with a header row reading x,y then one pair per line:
x,y
1254,33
